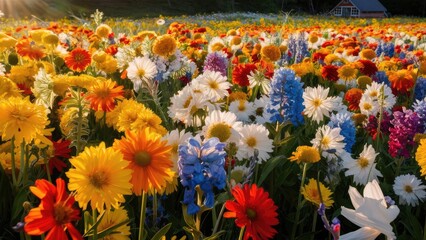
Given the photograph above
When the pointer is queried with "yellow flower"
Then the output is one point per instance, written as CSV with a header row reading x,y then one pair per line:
x,y
164,46
148,119
235,96
311,193
21,119
103,30
421,156
305,154
271,53
367,53
24,74
112,218
347,72
8,88
99,175
363,81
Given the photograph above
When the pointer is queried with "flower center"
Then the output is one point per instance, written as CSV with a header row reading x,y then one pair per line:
x,y
251,141
241,106
251,214
62,213
408,189
143,158
363,162
141,72
316,102
187,102
99,179
367,106
213,84
103,93
373,94
219,130
325,141
78,57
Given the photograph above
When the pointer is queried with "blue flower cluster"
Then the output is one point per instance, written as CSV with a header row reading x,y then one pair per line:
x,y
420,108
217,62
420,88
298,48
381,77
388,49
286,97
201,165
347,126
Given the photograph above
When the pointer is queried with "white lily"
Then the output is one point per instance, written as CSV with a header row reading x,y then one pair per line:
x,y
371,213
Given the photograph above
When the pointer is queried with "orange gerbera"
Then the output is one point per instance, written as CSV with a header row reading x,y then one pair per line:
x,y
149,157
27,48
353,96
102,95
401,81
254,210
78,59
55,212
241,72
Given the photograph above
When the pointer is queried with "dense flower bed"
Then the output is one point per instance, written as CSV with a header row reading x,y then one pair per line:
x,y
259,126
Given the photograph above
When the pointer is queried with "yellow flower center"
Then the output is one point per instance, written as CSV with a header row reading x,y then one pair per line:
x,y
141,72
363,162
143,158
408,189
237,175
313,39
187,102
217,47
367,106
316,102
219,130
251,141
251,214
102,93
374,94
213,84
241,106
325,141
99,179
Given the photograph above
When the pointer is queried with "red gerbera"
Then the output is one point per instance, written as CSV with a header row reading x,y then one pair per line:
x,y
61,149
330,73
241,72
55,212
102,95
78,59
254,210
353,97
367,67
27,48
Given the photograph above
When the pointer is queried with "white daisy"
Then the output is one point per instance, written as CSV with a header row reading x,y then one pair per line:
x,y
239,174
363,169
329,141
375,91
243,109
258,79
317,103
214,43
140,70
254,136
174,138
368,106
43,89
125,55
223,125
214,85
261,115
409,189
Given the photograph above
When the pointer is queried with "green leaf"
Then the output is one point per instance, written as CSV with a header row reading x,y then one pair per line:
x,y
20,198
269,166
90,231
162,232
189,219
5,202
110,230
215,236
412,224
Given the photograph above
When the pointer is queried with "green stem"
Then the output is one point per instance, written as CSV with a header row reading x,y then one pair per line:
x,y
398,166
42,236
299,200
12,154
154,208
23,170
216,226
424,231
142,217
95,228
314,225
198,216
49,178
240,237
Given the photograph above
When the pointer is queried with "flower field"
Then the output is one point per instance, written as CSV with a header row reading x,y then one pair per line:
x,y
248,127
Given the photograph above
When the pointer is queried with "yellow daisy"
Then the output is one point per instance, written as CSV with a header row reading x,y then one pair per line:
x,y
311,193
347,72
99,175
8,88
21,119
305,154
112,218
164,46
421,156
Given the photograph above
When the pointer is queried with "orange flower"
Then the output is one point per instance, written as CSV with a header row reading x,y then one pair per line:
x,y
55,212
102,95
27,48
78,59
254,210
353,96
401,81
330,73
149,157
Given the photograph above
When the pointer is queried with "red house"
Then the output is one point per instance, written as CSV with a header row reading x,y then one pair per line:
x,y
359,8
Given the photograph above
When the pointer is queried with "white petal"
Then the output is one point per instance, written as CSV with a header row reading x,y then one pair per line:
x,y
356,197
364,233
372,190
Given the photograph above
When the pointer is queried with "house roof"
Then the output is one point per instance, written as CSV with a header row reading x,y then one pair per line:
x,y
369,5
